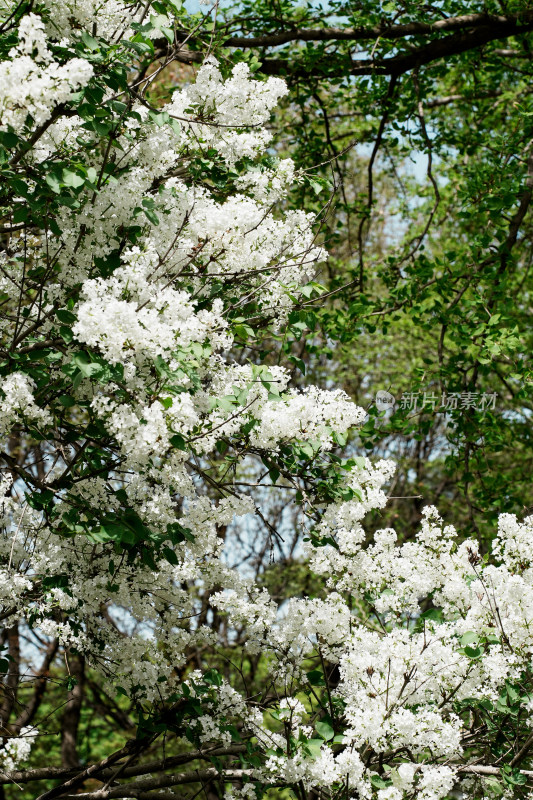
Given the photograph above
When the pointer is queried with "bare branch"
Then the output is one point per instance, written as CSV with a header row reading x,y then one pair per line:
x,y
47,773
404,62
161,782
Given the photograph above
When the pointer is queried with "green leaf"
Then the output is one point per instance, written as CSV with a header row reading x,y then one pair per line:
x,y
512,693
273,473
89,42
312,748
494,785
316,678
178,441
66,334
434,614
213,677
66,316
170,556
324,729
512,776
469,637
379,782
55,582
473,652
72,179
53,182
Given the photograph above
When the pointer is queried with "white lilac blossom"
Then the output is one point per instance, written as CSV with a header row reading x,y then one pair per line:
x,y
315,414
32,82
124,375
69,17
18,402
17,749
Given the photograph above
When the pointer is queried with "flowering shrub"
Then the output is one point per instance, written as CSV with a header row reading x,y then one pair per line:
x,y
141,247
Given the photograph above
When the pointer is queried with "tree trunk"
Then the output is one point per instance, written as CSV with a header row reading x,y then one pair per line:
x,y
71,717
10,686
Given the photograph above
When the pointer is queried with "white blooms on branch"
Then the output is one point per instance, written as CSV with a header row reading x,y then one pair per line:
x,y
32,82
18,749
142,255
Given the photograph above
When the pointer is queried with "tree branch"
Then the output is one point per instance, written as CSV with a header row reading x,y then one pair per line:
x,y
31,708
57,773
136,788
400,64
132,747
363,33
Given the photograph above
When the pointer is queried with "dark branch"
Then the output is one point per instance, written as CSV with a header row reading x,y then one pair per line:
x,y
400,64
363,33
46,773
